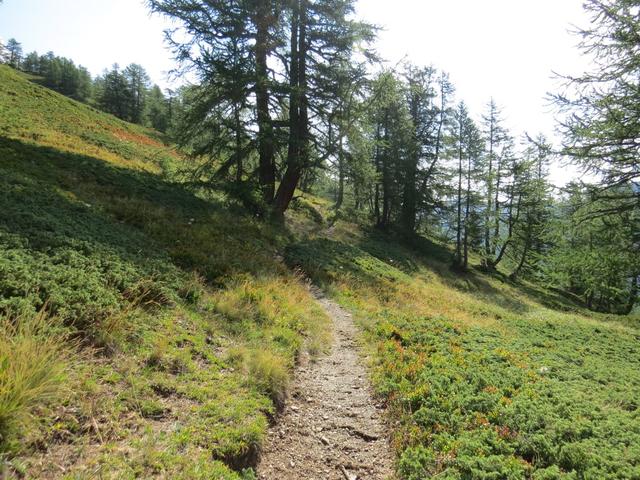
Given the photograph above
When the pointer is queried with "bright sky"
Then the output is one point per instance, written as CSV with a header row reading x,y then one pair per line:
x,y
507,49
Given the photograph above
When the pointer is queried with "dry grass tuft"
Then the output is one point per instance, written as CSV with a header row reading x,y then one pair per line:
x,y
34,360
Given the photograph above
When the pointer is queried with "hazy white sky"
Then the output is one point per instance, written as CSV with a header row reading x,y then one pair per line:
x,y
507,49
501,48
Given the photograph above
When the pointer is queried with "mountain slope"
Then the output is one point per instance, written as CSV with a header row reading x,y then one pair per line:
x,y
145,331
485,379
148,332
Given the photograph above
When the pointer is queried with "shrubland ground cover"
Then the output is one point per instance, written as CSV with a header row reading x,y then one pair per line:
x,y
147,331
144,331
485,379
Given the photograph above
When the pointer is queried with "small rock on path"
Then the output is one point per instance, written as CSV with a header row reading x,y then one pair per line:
x,y
331,428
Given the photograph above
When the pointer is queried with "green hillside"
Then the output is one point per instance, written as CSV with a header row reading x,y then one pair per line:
x,y
145,331
486,379
149,332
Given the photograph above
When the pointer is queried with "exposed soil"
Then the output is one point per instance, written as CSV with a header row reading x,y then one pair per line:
x,y
331,429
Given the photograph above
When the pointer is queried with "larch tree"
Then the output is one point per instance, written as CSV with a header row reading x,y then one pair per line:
x,y
261,66
434,186
594,256
138,81
467,152
420,95
601,128
114,95
496,141
323,34
392,143
14,53
602,106
157,110
530,235
218,42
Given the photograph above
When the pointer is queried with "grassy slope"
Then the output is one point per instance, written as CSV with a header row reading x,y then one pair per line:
x,y
167,327
485,379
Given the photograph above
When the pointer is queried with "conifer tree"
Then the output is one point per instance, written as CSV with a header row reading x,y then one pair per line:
x,y
421,94
392,138
602,106
595,256
31,63
157,110
14,53
529,238
496,141
138,82
228,47
262,66
468,151
115,96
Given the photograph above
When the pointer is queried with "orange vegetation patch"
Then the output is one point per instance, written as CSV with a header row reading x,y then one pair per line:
x,y
124,135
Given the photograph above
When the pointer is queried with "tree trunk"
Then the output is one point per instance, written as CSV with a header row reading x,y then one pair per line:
x,y
465,261
409,195
239,167
458,256
512,221
341,174
523,259
297,154
633,296
488,251
378,170
266,167
386,180
496,204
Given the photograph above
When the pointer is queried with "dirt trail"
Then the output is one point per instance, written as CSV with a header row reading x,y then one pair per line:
x,y
331,428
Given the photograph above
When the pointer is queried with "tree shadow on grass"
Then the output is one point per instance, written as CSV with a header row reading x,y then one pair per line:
x,y
62,233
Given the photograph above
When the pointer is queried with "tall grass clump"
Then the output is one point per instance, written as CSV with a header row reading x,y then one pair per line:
x,y
34,359
271,375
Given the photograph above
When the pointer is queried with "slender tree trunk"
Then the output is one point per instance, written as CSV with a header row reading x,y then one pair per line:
x,y
378,171
438,143
458,257
409,203
512,221
298,111
523,259
589,300
465,262
341,173
266,168
409,195
386,179
497,213
488,253
239,167
633,296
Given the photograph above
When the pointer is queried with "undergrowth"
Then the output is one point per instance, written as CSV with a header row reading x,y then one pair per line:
x,y
146,331
482,379
34,363
149,288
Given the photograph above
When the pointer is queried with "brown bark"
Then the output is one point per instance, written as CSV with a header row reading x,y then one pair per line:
x,y
264,19
297,155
